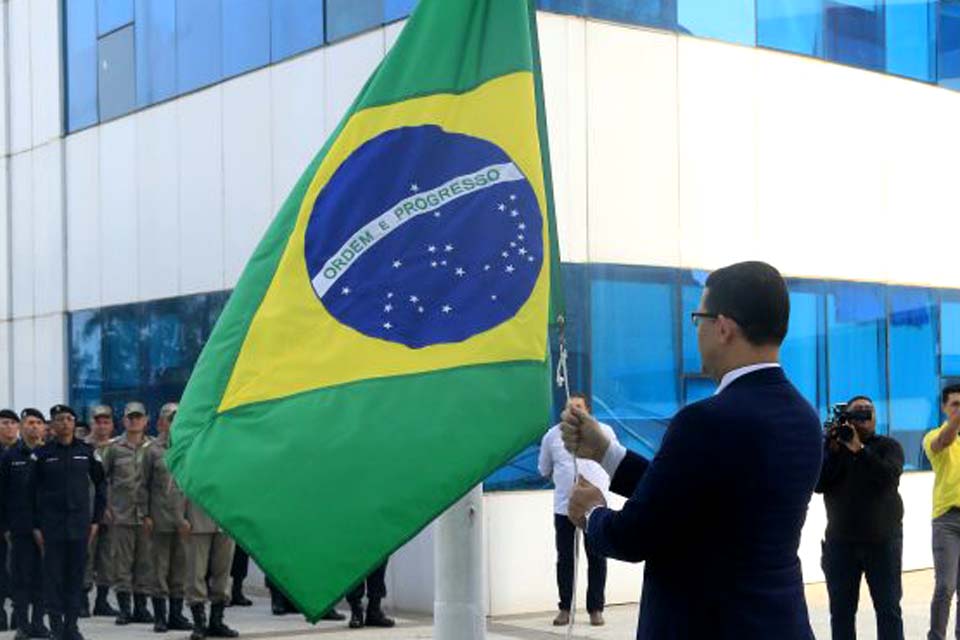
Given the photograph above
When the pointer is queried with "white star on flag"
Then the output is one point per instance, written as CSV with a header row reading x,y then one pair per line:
x,y
509,268
447,308
387,325
460,271
388,308
414,299
397,264
432,249
414,188
345,291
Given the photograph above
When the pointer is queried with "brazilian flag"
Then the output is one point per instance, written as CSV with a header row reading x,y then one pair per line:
x,y
386,348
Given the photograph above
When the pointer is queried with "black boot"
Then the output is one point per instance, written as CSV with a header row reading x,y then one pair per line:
x,y
56,626
123,616
278,603
237,598
217,627
356,616
199,622
85,603
37,628
101,607
176,621
141,614
4,623
160,615
333,614
70,629
376,617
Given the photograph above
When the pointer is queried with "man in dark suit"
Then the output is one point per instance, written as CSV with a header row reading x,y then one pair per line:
x,y
717,514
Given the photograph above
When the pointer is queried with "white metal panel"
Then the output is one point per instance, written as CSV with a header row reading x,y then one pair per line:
x,y
118,212
23,260
48,240
4,105
45,70
716,88
24,363
348,65
297,119
84,243
5,245
50,368
158,202
632,120
20,70
247,168
201,191
6,365
563,46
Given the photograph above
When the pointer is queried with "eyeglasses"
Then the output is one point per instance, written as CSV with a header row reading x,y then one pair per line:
x,y
696,316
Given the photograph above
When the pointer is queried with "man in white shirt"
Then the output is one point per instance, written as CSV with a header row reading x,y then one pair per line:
x,y
557,463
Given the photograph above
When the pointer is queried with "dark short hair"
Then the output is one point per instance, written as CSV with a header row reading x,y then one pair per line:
x,y
948,391
582,396
754,295
860,397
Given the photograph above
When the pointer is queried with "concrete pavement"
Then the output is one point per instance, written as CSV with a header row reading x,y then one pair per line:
x,y
256,622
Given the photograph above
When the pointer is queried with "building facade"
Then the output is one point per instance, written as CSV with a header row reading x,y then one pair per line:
x,y
147,144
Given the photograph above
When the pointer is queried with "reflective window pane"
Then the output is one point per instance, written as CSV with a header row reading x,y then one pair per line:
x,y
800,352
911,39
948,44
950,334
914,379
397,9
113,14
246,36
575,7
156,42
199,44
856,345
86,352
295,26
653,13
348,17
855,33
791,25
728,20
116,83
81,63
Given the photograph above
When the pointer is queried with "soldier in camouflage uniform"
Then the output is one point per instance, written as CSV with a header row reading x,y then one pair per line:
x,y
99,570
126,464
169,528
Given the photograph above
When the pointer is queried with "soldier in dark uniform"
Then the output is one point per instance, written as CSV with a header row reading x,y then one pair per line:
x,y
375,588
9,430
16,520
63,521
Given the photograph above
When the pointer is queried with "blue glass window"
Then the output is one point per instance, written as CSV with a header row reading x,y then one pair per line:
x,y
348,17
690,293
801,351
86,380
948,44
653,13
81,64
397,9
113,14
246,36
856,345
911,39
855,33
295,26
950,334
728,20
156,43
791,25
634,353
199,44
116,84
913,370
696,389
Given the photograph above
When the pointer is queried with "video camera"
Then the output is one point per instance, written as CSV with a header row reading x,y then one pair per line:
x,y
839,427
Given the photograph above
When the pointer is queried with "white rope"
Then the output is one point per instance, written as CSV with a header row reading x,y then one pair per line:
x,y
563,380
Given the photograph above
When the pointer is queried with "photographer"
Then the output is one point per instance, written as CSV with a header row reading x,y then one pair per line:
x,y
859,480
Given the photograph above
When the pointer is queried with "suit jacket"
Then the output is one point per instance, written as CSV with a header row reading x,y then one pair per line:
x,y
716,515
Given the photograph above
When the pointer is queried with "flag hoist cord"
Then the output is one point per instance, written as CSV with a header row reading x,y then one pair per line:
x,y
563,380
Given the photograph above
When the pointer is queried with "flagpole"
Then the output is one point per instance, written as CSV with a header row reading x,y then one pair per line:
x,y
459,606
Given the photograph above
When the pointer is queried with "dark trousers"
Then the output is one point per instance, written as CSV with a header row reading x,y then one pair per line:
x,y
276,596
844,563
4,571
374,586
25,570
240,566
596,568
64,562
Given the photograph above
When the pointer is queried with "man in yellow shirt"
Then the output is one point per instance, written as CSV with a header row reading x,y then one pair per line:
x,y
943,448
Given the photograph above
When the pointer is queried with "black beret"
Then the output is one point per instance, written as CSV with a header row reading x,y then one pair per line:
x,y
57,409
31,412
9,414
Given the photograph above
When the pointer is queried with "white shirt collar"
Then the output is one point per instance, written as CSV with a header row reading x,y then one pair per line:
x,y
730,376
